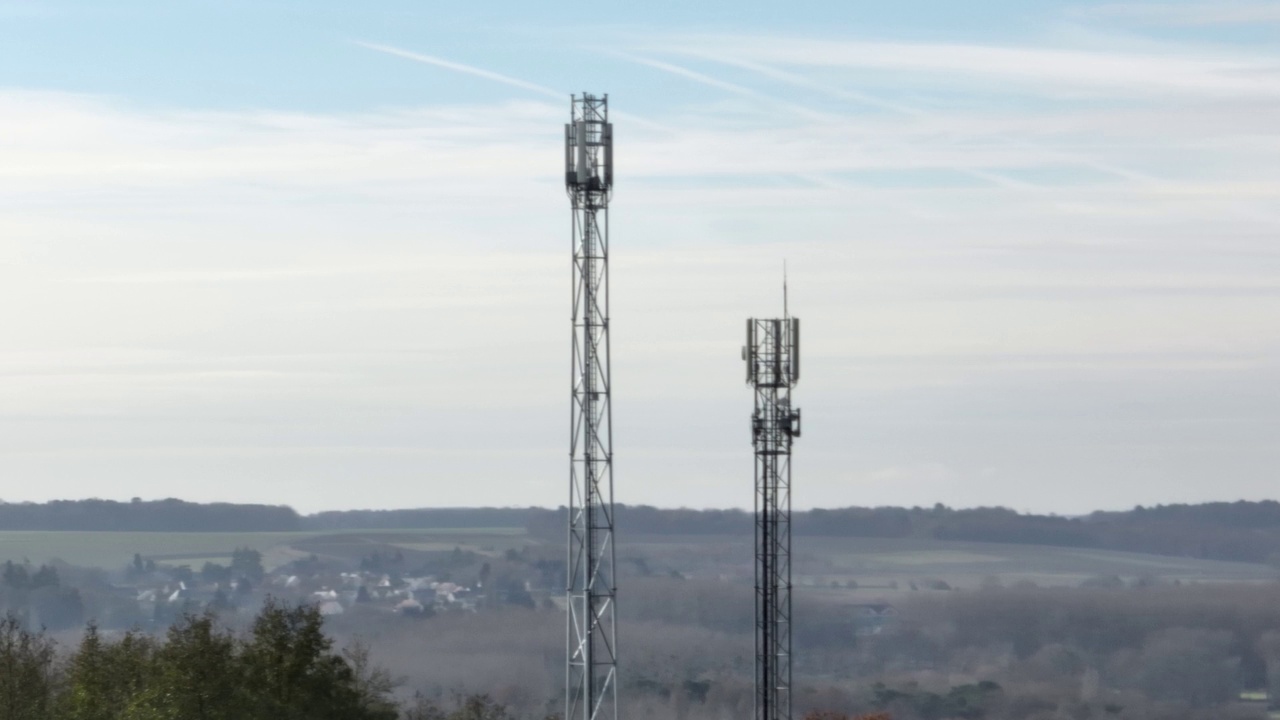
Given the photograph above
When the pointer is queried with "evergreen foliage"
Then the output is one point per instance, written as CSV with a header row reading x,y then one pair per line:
x,y
284,668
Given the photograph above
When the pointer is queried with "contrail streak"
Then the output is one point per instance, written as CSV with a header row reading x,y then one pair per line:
x,y
465,69
804,82
991,177
800,81
498,77
726,86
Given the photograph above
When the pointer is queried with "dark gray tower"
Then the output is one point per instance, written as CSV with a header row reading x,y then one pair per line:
x,y
591,679
773,367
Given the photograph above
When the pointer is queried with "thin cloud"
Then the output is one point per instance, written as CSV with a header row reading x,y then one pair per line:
x,y
797,80
804,82
1051,70
803,111
733,88
465,69
185,277
1187,14
505,79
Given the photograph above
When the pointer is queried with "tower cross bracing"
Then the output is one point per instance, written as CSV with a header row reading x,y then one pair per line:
x,y
772,353
591,674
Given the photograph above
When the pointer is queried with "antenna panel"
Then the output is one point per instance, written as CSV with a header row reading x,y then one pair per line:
x,y
793,336
584,156
607,139
569,174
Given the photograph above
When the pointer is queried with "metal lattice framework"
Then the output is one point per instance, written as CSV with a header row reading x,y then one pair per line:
x,y
591,678
773,368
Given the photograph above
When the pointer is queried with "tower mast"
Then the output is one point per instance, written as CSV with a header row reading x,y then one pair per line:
x,y
772,353
591,673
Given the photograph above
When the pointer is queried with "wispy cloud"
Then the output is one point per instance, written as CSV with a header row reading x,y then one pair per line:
x,y
465,69
1016,136
1186,13
186,277
396,257
507,80
67,143
1051,70
802,81
801,112
830,90
740,90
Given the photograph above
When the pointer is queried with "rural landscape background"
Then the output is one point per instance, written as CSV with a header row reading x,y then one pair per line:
x,y
281,260
1161,612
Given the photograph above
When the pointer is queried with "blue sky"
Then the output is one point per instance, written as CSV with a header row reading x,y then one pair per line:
x,y
287,56
319,254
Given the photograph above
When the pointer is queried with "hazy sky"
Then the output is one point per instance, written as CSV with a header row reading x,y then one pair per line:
x,y
318,253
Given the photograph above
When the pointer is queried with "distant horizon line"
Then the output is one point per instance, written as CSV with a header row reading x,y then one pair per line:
x,y
472,508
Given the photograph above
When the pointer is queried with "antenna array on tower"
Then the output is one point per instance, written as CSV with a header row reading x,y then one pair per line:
x,y
772,353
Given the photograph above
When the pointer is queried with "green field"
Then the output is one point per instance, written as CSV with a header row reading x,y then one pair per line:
x,y
967,564
885,566
876,566
115,549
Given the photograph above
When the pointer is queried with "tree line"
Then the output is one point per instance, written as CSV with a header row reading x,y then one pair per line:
x,y
1158,651
1240,531
169,515
284,667
1152,652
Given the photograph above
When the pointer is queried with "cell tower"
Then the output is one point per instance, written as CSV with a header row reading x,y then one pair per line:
x,y
592,673
772,353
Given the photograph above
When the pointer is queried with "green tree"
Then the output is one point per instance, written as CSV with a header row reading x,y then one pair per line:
x,y
247,562
220,603
479,707
283,669
16,576
46,576
212,572
197,676
472,707
291,672
1189,666
26,672
104,679
373,684
57,607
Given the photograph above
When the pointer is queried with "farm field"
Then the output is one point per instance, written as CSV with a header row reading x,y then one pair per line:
x,y
881,562
853,568
115,549
886,566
